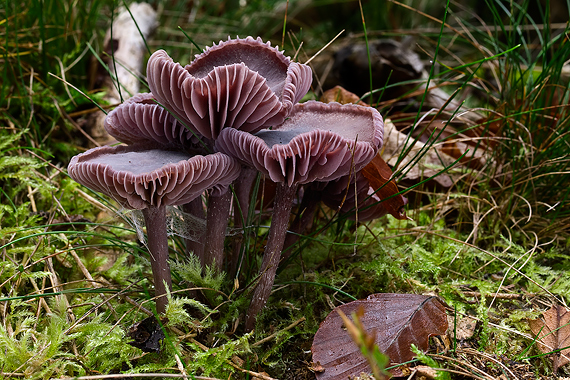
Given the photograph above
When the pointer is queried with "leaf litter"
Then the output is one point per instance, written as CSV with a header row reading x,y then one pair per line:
x,y
552,332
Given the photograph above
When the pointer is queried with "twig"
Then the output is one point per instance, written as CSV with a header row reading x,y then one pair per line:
x,y
254,374
138,306
506,296
466,364
268,338
181,367
488,357
324,47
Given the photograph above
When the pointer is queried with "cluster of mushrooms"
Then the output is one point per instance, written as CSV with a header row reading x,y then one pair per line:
x,y
231,113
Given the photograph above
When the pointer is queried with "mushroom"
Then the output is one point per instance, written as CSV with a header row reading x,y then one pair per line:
x,y
141,120
148,179
318,142
241,83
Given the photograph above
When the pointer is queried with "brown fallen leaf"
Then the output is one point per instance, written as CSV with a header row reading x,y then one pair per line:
x,y
342,96
396,320
552,331
464,329
378,174
431,163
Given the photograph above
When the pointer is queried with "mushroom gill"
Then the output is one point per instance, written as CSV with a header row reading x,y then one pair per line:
x,y
240,83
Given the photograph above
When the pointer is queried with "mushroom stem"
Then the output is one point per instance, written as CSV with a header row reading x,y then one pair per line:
x,y
216,224
281,211
155,220
195,208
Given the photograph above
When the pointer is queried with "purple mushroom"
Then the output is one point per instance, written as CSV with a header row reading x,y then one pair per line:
x,y
241,83
148,179
318,142
141,120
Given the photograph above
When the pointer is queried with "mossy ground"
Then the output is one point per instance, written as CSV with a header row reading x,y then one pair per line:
x,y
74,276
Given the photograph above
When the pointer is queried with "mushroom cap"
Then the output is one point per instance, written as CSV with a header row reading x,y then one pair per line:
x,y
138,176
318,142
241,83
141,120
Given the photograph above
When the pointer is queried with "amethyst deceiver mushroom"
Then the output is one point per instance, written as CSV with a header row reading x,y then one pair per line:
x,y
318,142
147,179
141,120
240,83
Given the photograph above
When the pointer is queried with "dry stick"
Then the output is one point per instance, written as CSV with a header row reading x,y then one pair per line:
x,y
181,367
464,373
466,364
55,282
504,296
270,337
41,301
324,47
254,374
488,357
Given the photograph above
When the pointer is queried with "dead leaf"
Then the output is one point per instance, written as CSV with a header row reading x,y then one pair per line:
x,y
430,164
465,328
378,174
426,372
340,95
553,333
396,320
